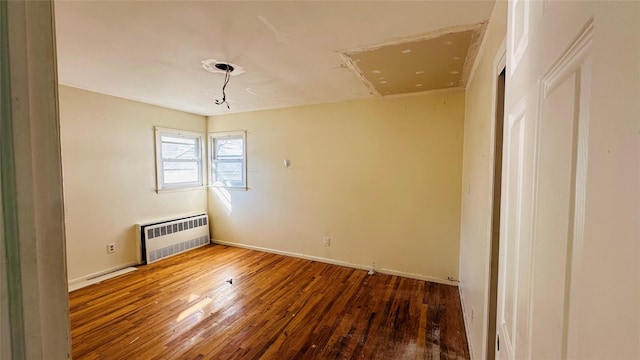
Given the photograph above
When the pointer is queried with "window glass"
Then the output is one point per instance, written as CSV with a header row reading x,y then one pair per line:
x,y
180,172
179,159
228,161
177,148
229,148
229,172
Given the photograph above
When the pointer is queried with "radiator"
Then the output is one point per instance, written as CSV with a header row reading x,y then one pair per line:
x,y
163,239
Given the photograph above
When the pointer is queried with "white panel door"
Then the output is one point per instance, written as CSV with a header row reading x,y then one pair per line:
x,y
569,277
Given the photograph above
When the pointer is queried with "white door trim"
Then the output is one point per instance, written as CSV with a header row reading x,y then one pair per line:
x,y
499,62
31,173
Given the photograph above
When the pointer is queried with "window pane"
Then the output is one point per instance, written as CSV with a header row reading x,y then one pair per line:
x,y
180,172
229,149
229,172
179,148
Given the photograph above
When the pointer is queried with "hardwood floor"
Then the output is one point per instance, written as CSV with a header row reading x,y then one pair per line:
x,y
276,307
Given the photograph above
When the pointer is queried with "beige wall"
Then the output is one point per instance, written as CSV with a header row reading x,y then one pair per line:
x,y
477,184
381,177
109,177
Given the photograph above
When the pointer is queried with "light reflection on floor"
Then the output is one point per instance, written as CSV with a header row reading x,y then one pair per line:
x,y
224,295
194,309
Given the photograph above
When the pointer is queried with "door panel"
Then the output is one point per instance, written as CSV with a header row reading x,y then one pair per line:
x,y
570,286
560,194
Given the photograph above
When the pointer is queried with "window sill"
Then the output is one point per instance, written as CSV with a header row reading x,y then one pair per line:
x,y
180,189
234,188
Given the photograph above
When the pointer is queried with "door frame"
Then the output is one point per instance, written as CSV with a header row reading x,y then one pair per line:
x,y
34,283
499,63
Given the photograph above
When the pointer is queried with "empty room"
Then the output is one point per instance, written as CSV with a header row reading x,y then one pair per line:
x,y
320,179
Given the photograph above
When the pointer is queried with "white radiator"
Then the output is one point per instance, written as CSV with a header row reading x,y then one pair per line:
x,y
163,239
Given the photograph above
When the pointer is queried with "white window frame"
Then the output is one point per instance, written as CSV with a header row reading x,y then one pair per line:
x,y
212,160
160,185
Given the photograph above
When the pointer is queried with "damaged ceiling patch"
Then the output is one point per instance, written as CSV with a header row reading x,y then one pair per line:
x,y
432,61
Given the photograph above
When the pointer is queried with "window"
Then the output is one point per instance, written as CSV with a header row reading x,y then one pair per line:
x,y
178,159
228,162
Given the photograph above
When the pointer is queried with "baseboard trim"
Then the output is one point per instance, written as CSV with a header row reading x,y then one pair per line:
x,y
466,323
418,277
98,274
337,262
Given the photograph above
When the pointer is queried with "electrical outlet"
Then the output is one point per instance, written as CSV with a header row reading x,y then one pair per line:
x,y
326,241
111,248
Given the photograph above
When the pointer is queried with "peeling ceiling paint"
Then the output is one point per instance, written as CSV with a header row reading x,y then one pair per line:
x,y
432,61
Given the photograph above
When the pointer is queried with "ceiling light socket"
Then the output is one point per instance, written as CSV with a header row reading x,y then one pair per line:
x,y
221,67
224,67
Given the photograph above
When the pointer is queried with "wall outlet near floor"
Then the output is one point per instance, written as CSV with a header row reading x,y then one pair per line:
x,y
111,248
326,241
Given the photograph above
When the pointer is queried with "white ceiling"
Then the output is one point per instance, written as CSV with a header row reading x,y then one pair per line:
x,y
151,51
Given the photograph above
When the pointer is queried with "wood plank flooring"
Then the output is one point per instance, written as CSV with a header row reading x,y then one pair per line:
x,y
276,307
